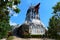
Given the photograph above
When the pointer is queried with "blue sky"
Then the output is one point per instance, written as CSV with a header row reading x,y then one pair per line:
x,y
44,11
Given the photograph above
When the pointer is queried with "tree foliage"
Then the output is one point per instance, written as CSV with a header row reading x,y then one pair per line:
x,y
5,7
54,23
52,32
56,8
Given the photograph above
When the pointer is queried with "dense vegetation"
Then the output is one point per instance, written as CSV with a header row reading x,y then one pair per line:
x,y
5,7
54,23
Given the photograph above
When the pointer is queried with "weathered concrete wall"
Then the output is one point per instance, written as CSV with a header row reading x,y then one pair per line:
x,y
36,39
31,39
3,39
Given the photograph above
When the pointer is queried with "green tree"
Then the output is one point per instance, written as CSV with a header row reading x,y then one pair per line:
x,y
54,23
52,32
5,7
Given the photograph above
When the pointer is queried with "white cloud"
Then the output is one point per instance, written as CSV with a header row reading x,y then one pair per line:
x,y
13,23
11,12
15,14
14,6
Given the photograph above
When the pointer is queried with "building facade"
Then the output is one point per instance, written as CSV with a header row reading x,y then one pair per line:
x,y
36,27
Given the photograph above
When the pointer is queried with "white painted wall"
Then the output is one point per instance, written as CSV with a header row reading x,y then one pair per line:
x,y
36,30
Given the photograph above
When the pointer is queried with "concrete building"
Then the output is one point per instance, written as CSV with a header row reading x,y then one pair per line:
x,y
32,24
36,27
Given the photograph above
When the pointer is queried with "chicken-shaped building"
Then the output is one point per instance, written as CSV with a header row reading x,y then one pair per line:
x,y
36,27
